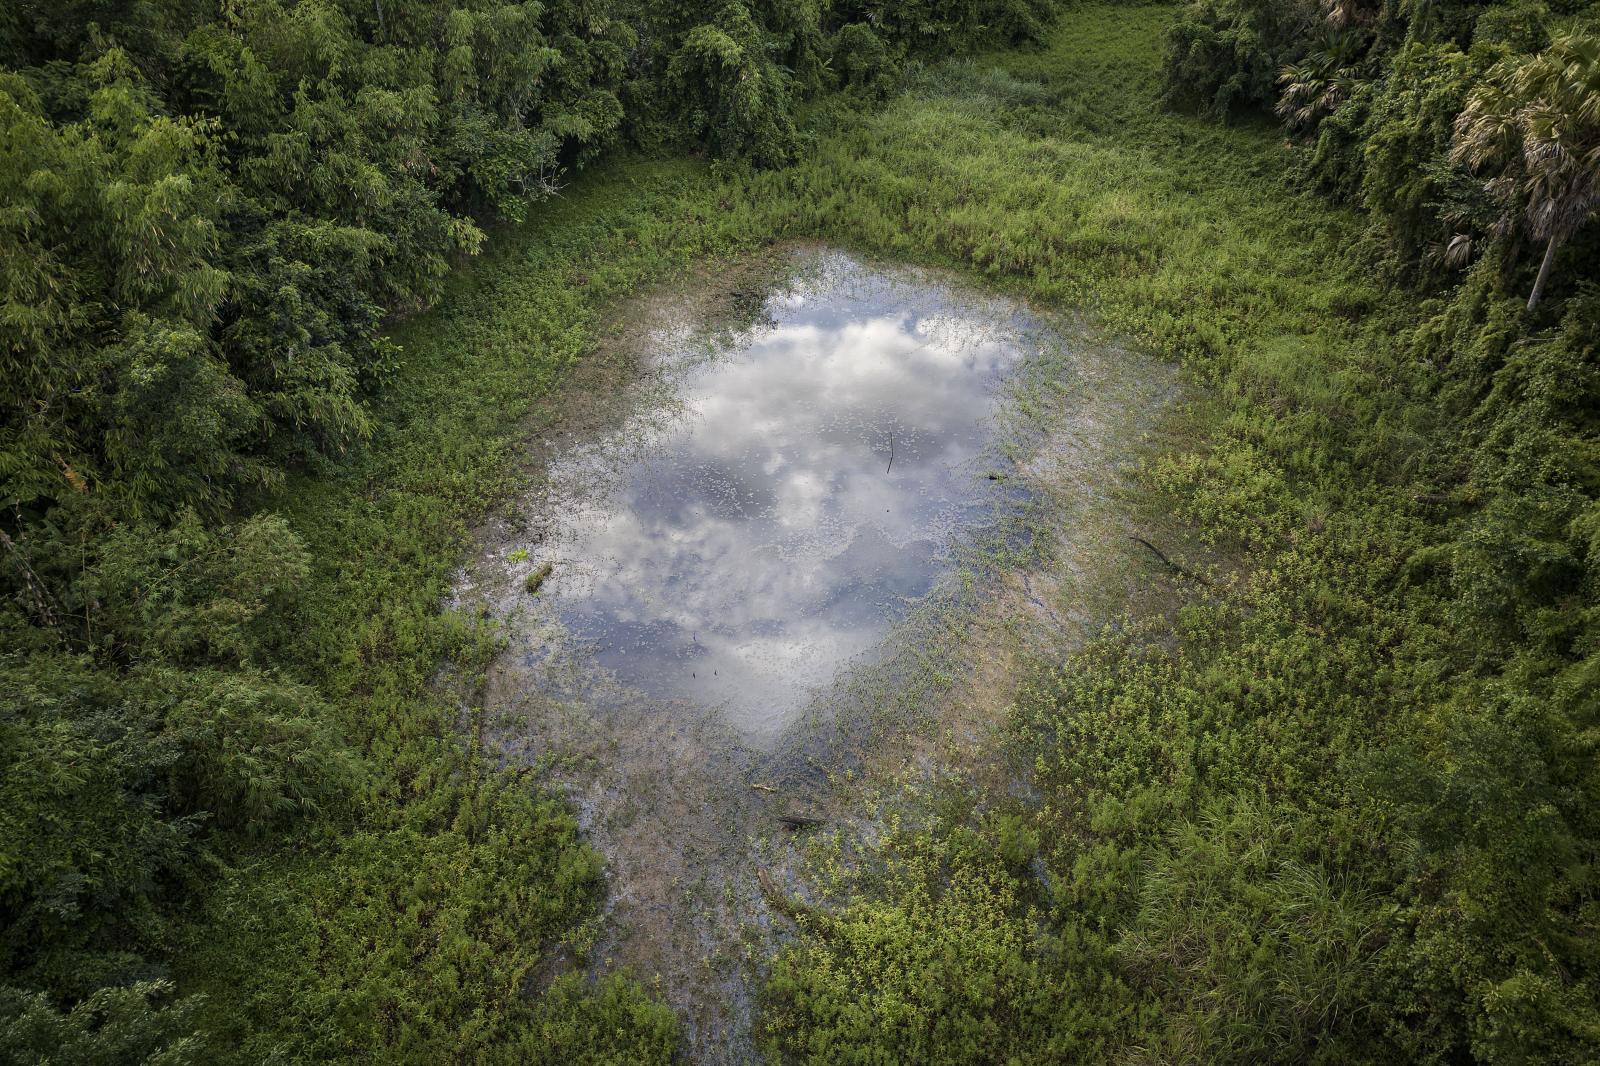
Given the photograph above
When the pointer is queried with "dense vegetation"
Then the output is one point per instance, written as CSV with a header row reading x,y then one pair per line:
x,y
1341,805
231,501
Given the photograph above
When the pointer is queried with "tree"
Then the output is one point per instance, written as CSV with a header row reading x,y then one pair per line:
x,y
1315,87
1537,120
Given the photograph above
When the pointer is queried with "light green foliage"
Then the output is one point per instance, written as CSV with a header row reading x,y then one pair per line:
x,y
400,942
941,963
1260,944
615,1024
1334,809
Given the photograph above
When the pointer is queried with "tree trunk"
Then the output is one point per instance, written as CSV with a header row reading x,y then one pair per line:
x,y
1544,272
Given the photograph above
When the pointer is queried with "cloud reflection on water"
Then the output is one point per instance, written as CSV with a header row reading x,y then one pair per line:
x,y
739,551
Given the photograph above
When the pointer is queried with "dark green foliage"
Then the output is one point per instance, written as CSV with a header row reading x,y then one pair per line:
x,y
113,1027
142,719
230,504
730,90
1226,54
862,59
112,278
1401,145
924,27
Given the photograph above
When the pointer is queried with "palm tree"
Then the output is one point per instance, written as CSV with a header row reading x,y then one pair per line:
x,y
1315,87
1537,121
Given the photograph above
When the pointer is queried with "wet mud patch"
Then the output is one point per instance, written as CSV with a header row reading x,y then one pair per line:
x,y
796,526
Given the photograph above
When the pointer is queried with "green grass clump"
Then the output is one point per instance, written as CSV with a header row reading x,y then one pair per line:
x,y
536,580
412,921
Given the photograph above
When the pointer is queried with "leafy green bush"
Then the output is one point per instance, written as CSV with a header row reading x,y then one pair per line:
x,y
943,967
614,1024
111,1027
735,97
1405,175
1225,55
862,59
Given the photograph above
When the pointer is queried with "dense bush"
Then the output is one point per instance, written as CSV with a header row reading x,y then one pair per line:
x,y
731,92
944,968
1226,54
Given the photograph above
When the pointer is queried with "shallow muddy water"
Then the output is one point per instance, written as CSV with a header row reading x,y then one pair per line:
x,y
797,523
794,489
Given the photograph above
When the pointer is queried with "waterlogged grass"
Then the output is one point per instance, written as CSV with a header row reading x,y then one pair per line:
x,y
1195,872
1056,174
1204,870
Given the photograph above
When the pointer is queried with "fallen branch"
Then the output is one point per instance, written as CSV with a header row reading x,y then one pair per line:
x,y
36,588
798,821
1174,567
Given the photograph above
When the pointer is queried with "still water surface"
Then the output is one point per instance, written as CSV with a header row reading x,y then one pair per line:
x,y
738,545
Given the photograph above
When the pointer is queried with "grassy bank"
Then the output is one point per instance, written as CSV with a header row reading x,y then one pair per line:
x,y
409,928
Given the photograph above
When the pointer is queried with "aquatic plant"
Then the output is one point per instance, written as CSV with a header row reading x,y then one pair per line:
x,y
535,580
